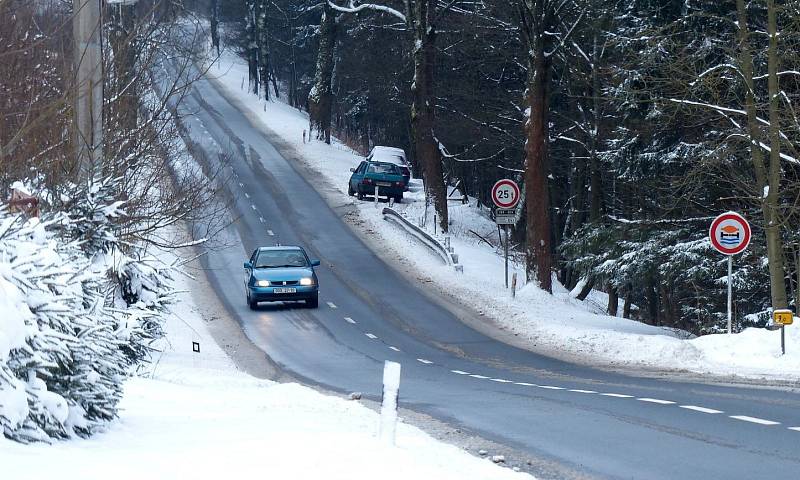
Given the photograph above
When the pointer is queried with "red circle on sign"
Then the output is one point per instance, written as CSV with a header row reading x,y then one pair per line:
x,y
513,199
729,233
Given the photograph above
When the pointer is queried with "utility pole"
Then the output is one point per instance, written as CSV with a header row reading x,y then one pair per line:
x,y
89,86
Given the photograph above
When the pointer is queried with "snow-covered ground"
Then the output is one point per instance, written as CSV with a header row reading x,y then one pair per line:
x,y
194,416
558,323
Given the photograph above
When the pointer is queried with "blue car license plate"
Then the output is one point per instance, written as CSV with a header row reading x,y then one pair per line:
x,y
384,184
285,290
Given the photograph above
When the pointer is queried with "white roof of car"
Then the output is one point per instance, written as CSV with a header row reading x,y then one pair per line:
x,y
388,154
381,148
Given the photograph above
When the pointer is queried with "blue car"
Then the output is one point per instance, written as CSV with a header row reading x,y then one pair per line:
x,y
281,274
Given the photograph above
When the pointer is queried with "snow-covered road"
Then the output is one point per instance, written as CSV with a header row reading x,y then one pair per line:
x,y
586,420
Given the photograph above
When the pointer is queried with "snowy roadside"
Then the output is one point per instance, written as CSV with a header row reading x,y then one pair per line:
x,y
194,415
555,324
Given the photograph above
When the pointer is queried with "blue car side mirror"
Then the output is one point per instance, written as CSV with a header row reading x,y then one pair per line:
x,y
315,263
248,265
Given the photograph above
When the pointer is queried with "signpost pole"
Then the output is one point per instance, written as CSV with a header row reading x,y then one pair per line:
x,y
783,340
505,251
730,294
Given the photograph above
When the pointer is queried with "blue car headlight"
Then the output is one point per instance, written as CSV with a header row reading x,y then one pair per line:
x,y
262,283
308,281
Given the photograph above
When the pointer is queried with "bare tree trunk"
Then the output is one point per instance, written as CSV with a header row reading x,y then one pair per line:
x,y
613,300
252,47
626,307
124,114
262,48
423,106
214,14
538,259
766,181
320,99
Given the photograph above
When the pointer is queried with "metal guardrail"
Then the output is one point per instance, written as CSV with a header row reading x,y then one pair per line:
x,y
444,250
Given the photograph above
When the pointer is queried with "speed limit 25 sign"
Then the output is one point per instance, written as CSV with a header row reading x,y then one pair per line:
x,y
505,193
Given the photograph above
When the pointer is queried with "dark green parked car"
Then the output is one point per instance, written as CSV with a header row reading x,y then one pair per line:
x,y
387,177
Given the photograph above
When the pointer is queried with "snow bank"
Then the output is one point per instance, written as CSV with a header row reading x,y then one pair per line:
x,y
197,417
558,323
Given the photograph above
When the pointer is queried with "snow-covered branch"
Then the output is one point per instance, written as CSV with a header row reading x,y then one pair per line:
x,y
352,7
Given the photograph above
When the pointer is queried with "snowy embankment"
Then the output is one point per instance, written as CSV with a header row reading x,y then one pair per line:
x,y
557,324
194,415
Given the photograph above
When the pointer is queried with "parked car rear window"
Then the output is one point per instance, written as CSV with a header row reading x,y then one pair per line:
x,y
281,258
383,168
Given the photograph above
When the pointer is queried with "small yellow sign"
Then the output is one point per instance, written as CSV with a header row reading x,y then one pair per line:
x,y
782,317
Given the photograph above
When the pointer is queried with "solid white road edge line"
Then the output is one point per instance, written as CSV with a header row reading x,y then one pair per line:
x,y
550,387
616,395
655,400
525,384
459,372
700,409
500,380
479,376
759,421
577,390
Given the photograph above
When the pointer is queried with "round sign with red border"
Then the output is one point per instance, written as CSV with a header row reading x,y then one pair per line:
x,y
729,233
505,193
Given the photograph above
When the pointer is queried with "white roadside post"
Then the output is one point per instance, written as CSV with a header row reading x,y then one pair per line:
x,y
505,195
729,234
391,390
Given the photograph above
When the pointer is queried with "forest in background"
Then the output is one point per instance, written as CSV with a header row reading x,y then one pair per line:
x,y
630,126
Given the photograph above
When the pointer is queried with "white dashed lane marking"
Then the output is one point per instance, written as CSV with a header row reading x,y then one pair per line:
x,y
261,219
695,408
270,233
759,421
796,429
252,206
655,400
246,195
700,409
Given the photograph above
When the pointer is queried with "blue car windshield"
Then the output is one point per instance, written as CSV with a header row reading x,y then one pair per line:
x,y
281,258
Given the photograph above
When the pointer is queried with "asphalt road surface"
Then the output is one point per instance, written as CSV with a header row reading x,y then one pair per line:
x,y
605,425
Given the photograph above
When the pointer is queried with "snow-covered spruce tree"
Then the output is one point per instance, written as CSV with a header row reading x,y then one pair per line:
x,y
79,309
62,367
138,284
